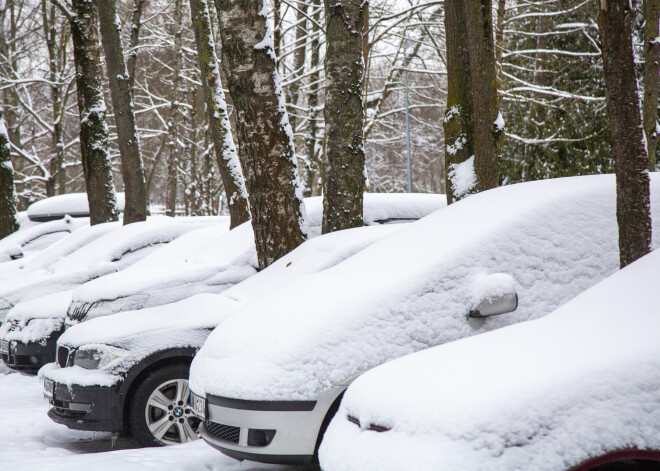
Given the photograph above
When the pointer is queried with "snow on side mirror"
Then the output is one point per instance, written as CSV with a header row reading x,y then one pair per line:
x,y
493,295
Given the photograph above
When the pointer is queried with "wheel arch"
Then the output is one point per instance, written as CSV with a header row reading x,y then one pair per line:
x,y
147,365
616,456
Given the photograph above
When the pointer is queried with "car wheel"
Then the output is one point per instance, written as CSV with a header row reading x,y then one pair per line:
x,y
159,410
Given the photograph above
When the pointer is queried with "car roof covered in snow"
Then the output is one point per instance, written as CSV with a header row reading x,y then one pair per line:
x,y
545,395
205,311
413,289
213,257
19,243
73,204
116,249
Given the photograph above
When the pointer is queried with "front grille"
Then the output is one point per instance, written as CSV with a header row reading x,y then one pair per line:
x,y
63,356
16,360
223,432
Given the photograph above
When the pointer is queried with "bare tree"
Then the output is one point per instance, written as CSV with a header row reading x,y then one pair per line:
x,y
83,18
343,184
136,24
135,188
225,150
626,132
8,222
265,138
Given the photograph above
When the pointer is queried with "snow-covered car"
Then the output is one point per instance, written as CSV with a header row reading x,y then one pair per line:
x,y
26,242
576,390
74,205
129,371
209,261
114,251
269,379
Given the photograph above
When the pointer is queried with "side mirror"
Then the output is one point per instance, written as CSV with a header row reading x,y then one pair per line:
x,y
493,295
507,302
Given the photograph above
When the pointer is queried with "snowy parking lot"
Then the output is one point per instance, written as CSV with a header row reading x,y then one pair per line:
x,y
30,440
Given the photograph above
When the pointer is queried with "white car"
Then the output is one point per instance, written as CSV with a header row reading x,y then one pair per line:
x,y
75,205
577,390
210,261
269,379
129,371
35,238
117,249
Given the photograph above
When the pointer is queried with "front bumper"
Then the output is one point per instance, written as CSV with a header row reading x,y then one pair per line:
x,y
97,408
29,356
239,428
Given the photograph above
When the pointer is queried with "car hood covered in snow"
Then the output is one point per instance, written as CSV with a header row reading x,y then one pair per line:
x,y
210,261
36,319
413,289
545,395
187,323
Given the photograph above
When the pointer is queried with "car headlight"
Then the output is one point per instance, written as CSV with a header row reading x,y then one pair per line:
x,y
97,356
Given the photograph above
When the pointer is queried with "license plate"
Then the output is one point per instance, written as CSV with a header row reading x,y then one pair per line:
x,y
198,405
4,346
49,387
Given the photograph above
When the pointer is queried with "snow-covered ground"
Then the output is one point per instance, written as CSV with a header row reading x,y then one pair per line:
x,y
29,440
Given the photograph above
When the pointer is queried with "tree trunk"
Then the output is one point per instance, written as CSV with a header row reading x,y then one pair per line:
x,y
473,125
174,121
626,132
57,161
132,169
343,185
651,78
91,107
223,142
8,222
487,130
136,24
458,123
264,134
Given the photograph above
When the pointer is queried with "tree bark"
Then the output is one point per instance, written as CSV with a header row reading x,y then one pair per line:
x,y
651,77
57,170
175,112
91,107
132,168
136,24
487,134
473,127
458,123
264,135
343,185
223,142
626,131
8,222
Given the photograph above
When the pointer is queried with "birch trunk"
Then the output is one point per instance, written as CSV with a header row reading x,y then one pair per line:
x,y
91,107
8,221
626,131
343,185
132,168
223,142
264,135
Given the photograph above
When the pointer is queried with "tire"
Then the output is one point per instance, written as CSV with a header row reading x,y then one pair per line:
x,y
158,412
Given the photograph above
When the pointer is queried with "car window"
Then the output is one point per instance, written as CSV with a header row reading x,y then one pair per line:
x,y
129,257
44,241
